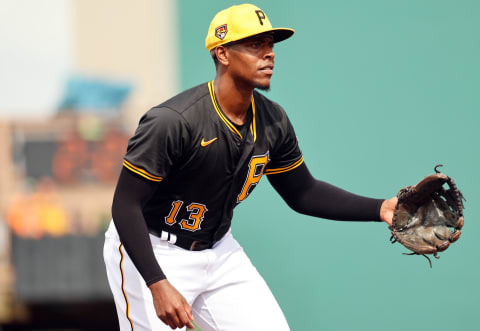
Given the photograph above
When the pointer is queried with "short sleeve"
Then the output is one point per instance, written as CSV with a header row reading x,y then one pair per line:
x,y
158,143
286,154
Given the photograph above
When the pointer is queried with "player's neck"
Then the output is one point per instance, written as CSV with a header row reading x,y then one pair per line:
x,y
233,99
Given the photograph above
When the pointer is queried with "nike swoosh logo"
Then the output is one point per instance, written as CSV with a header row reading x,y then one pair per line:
x,y
206,143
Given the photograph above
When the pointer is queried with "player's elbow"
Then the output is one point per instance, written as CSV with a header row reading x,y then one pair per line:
x,y
297,205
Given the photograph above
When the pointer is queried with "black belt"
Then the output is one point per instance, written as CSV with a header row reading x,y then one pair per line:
x,y
180,241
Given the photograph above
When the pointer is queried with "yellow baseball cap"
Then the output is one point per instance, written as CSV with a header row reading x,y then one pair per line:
x,y
239,22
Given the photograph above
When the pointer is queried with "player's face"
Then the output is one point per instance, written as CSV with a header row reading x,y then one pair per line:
x,y
251,61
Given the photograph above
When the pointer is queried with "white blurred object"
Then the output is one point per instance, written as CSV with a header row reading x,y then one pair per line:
x,y
35,55
43,42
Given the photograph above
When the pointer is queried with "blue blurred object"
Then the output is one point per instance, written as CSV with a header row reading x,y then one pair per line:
x,y
94,95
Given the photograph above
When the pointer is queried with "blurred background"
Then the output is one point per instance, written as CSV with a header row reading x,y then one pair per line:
x,y
379,92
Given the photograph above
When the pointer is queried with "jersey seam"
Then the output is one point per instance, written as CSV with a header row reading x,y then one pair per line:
x,y
144,173
179,114
187,108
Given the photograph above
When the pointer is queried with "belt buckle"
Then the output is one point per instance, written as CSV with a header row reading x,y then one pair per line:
x,y
198,245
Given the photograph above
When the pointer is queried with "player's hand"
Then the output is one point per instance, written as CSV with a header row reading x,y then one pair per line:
x,y
171,306
387,209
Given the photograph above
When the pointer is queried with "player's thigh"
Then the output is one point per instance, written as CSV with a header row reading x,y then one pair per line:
x,y
243,304
133,299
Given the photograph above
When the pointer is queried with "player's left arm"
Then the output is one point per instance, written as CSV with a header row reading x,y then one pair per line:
x,y
307,195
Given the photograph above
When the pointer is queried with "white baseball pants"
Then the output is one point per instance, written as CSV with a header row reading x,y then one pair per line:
x,y
223,287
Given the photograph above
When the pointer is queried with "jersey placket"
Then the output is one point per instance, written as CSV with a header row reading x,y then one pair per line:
x,y
244,147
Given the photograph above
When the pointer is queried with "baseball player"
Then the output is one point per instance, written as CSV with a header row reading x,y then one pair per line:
x,y
169,252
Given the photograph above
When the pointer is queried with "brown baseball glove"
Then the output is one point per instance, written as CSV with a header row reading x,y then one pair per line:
x,y
428,217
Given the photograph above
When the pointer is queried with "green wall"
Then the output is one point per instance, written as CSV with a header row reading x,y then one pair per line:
x,y
379,93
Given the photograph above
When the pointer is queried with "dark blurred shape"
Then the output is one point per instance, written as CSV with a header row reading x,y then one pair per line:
x,y
72,157
38,157
94,94
77,159
59,269
61,284
75,316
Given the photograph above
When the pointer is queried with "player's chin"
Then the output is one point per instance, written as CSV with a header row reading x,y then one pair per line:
x,y
263,84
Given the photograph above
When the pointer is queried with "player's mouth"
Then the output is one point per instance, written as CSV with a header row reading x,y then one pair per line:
x,y
268,69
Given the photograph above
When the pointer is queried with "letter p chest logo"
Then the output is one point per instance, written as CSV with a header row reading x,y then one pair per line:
x,y
255,171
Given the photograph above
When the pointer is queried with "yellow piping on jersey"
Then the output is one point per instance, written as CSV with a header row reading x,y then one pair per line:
x,y
127,309
253,127
285,169
141,172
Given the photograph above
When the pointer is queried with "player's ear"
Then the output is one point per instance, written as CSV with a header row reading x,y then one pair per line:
x,y
222,56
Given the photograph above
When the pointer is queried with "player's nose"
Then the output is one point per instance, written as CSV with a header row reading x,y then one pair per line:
x,y
269,53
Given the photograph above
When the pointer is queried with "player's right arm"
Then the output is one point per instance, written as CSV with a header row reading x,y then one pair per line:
x,y
154,149
130,194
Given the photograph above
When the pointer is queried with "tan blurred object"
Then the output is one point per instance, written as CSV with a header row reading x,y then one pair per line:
x,y
137,42
6,175
6,186
89,206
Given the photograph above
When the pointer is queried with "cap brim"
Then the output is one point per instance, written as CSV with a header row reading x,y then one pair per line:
x,y
280,34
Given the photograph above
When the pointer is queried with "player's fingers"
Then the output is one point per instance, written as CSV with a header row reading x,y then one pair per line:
x,y
177,323
170,323
189,325
170,318
166,319
184,319
188,310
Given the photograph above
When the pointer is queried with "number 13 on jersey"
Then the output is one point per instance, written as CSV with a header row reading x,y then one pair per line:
x,y
195,218
197,210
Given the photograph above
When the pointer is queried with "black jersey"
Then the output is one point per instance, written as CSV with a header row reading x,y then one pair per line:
x,y
204,164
